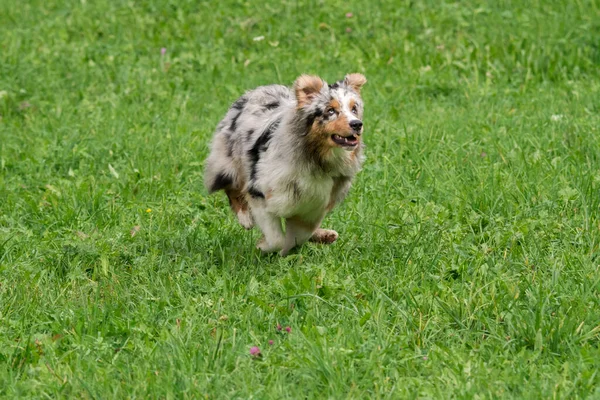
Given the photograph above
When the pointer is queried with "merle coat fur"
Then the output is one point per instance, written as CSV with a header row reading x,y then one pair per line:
x,y
289,153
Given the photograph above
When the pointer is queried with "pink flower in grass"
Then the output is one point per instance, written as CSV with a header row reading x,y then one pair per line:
x,y
271,343
163,51
255,351
288,329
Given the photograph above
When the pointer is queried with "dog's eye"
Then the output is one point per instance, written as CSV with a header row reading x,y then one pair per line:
x,y
330,112
355,110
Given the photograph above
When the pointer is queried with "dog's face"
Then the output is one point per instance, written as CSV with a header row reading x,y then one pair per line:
x,y
333,112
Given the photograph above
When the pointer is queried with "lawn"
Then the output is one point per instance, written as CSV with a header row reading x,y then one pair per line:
x,y
468,263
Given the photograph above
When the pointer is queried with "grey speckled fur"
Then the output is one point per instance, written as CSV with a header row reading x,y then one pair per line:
x,y
289,153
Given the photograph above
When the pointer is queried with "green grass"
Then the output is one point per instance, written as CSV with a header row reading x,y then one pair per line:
x,y
468,263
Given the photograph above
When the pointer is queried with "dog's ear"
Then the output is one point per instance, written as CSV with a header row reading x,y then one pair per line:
x,y
355,81
306,88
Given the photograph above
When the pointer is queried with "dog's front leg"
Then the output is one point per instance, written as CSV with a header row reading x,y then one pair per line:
x,y
297,232
270,225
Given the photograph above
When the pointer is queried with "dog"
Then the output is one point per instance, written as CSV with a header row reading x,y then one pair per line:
x,y
289,153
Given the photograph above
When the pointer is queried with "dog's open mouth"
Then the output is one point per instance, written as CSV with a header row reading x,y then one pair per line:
x,y
345,141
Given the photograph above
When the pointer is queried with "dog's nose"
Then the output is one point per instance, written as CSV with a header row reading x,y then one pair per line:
x,y
356,125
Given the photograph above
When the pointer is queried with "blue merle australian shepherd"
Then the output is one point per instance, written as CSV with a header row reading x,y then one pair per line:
x,y
291,154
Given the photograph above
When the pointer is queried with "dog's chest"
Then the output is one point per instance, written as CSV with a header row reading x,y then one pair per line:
x,y
308,196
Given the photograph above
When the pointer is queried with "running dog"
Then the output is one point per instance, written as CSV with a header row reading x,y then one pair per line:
x,y
289,153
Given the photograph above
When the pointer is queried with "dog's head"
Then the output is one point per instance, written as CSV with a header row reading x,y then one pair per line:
x,y
332,113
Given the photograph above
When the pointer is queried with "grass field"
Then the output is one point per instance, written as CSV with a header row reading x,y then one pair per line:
x,y
468,263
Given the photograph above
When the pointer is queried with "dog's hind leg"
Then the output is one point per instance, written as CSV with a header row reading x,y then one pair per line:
x,y
239,206
324,236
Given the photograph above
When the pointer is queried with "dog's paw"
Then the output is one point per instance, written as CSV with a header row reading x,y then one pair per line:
x,y
284,252
265,247
324,236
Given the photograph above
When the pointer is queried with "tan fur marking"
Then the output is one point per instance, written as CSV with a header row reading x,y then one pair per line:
x,y
319,138
355,81
318,141
306,88
236,201
335,105
340,126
